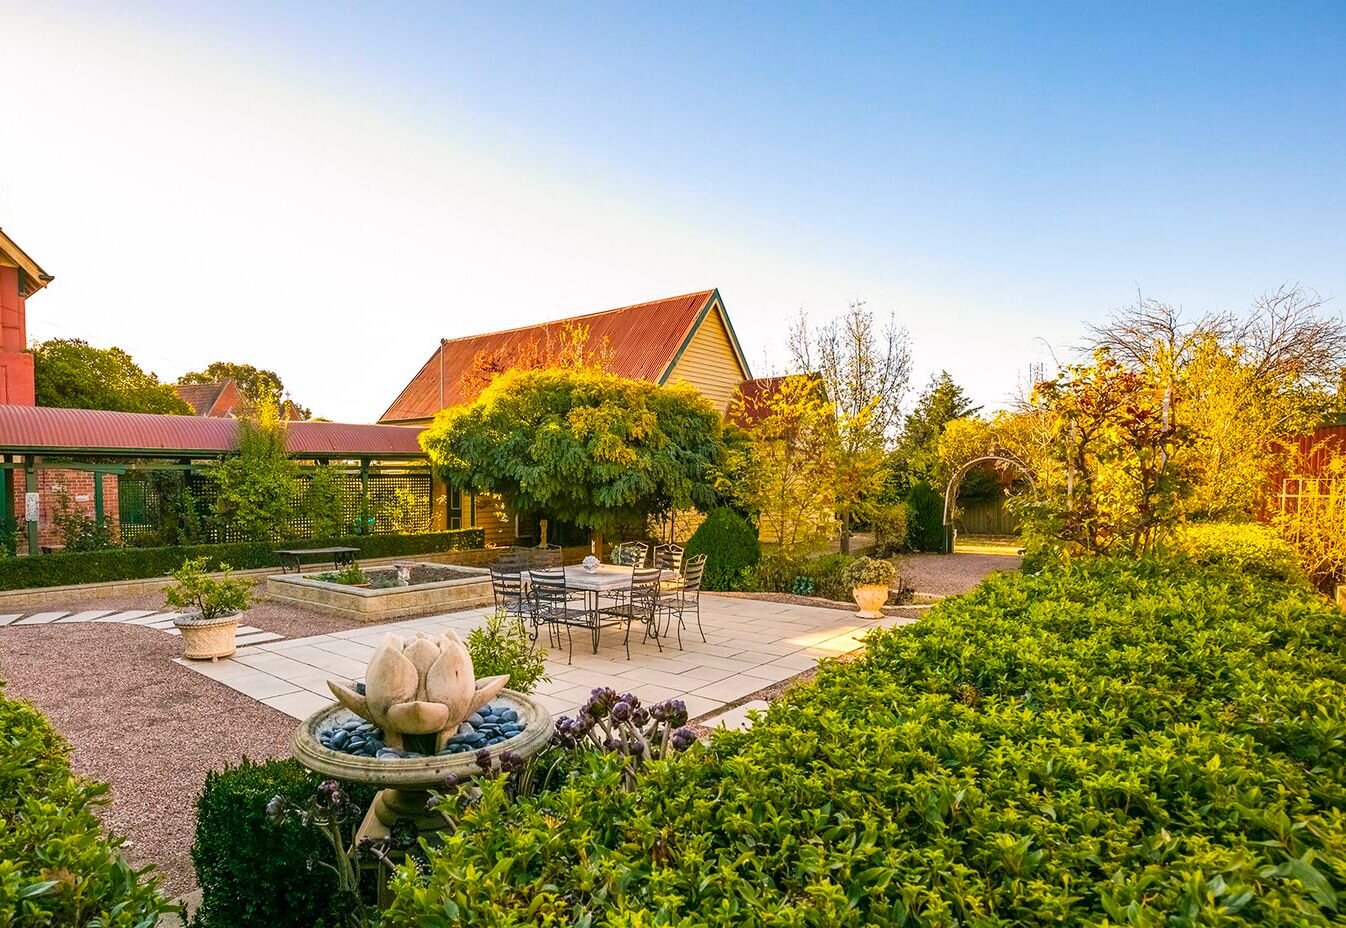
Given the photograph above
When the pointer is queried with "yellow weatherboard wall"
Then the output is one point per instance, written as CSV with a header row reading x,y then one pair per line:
x,y
709,363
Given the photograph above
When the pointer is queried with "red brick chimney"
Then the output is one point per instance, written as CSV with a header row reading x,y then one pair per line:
x,y
20,278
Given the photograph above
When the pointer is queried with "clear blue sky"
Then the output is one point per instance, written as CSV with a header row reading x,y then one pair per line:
x,y
990,173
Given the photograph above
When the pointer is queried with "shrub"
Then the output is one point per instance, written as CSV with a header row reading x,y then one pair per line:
x,y
255,489
730,545
1137,744
827,574
925,508
501,646
1240,546
80,531
253,871
892,525
325,502
869,571
140,563
346,576
209,597
57,867
775,571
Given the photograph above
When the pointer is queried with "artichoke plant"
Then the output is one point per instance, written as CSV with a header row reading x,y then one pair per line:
x,y
420,686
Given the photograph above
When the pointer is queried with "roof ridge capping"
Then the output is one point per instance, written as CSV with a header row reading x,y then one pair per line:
x,y
707,294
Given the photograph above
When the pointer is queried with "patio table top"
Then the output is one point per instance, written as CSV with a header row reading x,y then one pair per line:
x,y
607,577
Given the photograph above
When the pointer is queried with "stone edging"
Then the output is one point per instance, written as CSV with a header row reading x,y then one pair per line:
x,y
13,600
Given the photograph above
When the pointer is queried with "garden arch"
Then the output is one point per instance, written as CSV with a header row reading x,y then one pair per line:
x,y
951,491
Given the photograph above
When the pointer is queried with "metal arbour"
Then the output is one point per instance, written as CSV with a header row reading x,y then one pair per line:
x,y
951,491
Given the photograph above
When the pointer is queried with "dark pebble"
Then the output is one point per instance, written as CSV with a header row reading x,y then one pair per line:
x,y
339,740
474,720
352,724
464,730
360,688
509,715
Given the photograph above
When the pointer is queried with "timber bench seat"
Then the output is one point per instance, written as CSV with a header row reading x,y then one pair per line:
x,y
295,558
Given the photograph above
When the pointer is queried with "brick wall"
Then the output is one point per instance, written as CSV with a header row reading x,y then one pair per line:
x,y
78,485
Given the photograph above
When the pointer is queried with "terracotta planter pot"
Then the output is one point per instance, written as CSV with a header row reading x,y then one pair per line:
x,y
870,598
206,640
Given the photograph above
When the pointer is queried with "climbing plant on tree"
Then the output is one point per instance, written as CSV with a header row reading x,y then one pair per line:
x,y
581,446
257,487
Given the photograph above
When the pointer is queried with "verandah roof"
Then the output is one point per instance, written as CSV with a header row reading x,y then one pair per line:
x,y
97,432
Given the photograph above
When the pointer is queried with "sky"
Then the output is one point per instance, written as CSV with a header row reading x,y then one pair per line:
x,y
326,189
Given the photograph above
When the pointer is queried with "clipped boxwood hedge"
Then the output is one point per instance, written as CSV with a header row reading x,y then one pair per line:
x,y
730,544
140,563
256,872
57,866
1099,744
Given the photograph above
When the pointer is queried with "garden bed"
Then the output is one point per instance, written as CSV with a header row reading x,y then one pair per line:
x,y
433,588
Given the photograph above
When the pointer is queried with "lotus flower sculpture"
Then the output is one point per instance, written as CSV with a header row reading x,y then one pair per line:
x,y
420,686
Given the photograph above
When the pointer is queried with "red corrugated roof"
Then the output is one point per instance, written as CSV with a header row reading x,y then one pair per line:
x,y
644,340
94,431
757,396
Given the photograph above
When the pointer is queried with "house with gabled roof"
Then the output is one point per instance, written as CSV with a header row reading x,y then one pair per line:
x,y
214,400
680,339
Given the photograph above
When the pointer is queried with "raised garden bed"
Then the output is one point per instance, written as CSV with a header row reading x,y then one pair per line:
x,y
433,587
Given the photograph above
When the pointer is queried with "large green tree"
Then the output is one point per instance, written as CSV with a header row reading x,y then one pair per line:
x,y
74,374
582,446
257,385
916,457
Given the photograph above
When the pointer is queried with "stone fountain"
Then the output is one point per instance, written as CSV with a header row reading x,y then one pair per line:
x,y
419,716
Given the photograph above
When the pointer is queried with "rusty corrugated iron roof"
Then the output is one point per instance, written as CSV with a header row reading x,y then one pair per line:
x,y
644,340
41,429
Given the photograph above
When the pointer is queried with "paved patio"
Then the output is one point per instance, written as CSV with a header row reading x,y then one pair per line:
x,y
749,645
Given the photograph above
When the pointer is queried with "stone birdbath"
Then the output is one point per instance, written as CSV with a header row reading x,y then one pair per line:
x,y
419,716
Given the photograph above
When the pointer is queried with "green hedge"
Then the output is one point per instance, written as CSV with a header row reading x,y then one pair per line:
x,y
139,563
252,871
730,544
925,514
1241,546
57,867
1101,744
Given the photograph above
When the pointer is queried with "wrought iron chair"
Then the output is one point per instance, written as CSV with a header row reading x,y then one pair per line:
x,y
508,587
677,602
639,602
552,603
669,557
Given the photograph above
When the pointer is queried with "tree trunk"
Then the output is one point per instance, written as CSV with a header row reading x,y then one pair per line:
x,y
596,544
844,541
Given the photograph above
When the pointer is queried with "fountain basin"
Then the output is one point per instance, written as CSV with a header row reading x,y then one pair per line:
x,y
414,773
461,587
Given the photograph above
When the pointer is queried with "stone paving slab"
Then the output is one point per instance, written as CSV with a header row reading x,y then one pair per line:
x,y
749,645
40,618
244,635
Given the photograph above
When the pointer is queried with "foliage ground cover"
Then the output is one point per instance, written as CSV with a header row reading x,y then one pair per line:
x,y
1142,743
256,871
57,867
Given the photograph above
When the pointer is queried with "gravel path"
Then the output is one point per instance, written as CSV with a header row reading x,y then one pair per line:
x,y
136,720
282,619
951,574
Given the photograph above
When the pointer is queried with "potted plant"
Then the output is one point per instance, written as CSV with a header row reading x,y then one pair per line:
x,y
870,580
213,605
